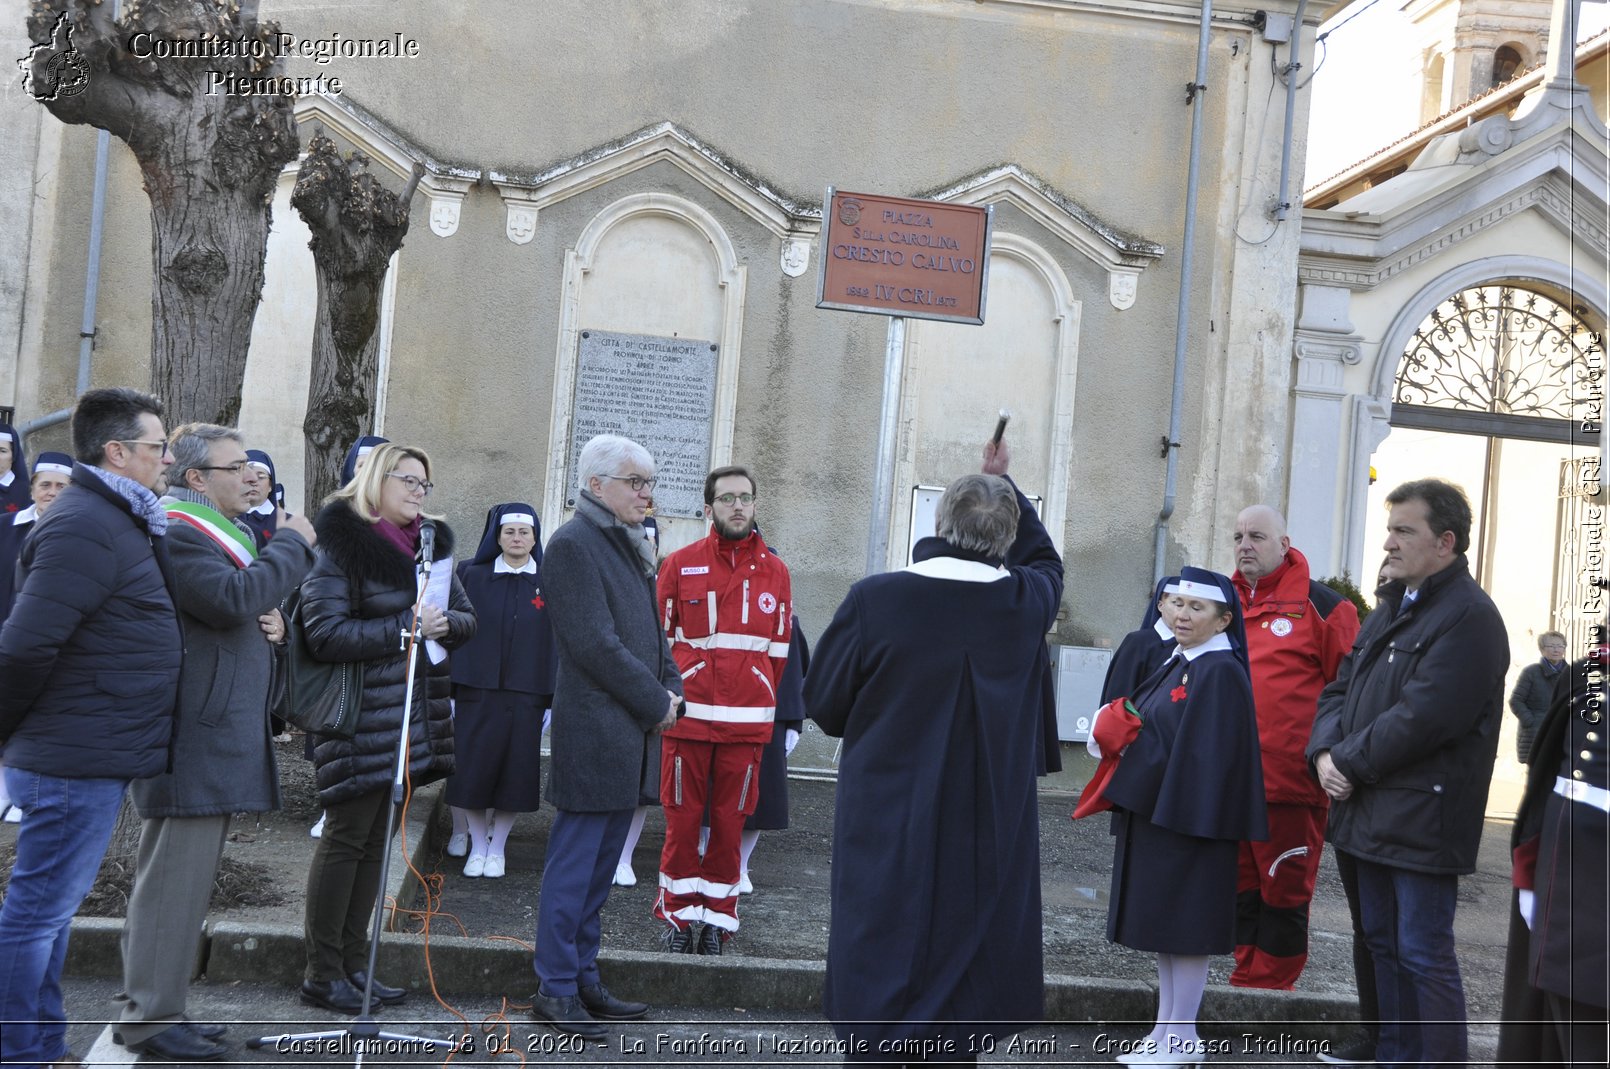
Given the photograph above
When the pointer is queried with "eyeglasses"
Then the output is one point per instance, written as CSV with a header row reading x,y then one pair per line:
x,y
730,500
636,482
159,444
236,468
415,484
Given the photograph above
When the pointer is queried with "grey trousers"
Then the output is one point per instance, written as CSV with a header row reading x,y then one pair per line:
x,y
173,877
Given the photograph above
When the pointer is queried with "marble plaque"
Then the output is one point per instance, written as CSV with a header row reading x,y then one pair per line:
x,y
660,392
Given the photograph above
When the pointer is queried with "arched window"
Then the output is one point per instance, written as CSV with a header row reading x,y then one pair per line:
x,y
1432,95
1507,62
1501,359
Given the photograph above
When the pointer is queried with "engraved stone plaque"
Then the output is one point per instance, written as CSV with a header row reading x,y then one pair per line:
x,y
659,392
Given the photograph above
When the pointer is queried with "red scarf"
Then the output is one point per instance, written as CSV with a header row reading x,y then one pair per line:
x,y
406,539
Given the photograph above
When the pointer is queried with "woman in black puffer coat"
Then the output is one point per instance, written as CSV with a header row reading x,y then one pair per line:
x,y
357,605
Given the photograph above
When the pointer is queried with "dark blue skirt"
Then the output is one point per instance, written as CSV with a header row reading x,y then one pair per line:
x,y
497,741
1171,893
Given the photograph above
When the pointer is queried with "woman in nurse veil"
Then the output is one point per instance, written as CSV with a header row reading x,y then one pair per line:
x,y
1186,792
502,682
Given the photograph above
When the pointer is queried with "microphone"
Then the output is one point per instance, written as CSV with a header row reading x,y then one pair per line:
x,y
427,543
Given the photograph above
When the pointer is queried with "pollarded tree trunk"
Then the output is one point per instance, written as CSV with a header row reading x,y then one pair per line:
x,y
210,161
357,225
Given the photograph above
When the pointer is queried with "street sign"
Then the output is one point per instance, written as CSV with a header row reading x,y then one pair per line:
x,y
896,256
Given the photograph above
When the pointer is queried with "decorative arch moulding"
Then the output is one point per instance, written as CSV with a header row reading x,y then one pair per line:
x,y
795,221
445,185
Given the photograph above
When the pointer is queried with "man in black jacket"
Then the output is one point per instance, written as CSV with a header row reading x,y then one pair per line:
x,y
90,657
1403,744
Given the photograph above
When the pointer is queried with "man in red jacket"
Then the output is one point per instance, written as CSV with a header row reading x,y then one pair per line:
x,y
1298,631
726,605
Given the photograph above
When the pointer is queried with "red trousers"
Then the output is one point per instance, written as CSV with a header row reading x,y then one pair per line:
x,y
728,773
1273,889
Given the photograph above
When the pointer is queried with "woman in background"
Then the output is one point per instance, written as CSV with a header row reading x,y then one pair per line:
x,y
14,496
502,682
1529,701
1142,651
1186,793
52,472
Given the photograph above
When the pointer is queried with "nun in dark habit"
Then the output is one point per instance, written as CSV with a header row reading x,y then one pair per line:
x,y
502,682
1142,651
1186,792
14,495
263,517
932,675
52,473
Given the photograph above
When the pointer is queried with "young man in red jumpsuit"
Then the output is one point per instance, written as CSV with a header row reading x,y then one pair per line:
x,y
726,605
1298,631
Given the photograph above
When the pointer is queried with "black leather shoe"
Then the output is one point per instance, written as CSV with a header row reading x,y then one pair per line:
x,y
710,941
178,1044
566,1014
206,1029
337,995
384,994
606,1007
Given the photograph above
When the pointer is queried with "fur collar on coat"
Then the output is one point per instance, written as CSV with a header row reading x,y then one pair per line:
x,y
353,543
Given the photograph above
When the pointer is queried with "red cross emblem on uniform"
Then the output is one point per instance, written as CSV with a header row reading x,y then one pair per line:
x,y
1177,694
11,508
537,602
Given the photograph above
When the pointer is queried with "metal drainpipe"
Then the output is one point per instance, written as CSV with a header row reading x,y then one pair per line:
x,y
92,279
1171,443
1292,67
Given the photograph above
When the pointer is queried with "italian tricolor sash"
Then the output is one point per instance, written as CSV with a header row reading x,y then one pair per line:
x,y
212,523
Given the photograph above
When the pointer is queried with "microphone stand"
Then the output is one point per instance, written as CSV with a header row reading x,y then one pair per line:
x,y
363,1034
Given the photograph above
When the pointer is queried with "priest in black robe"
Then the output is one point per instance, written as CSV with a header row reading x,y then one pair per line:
x,y
931,676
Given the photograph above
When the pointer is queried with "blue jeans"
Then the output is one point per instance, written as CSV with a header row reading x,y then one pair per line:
x,y
66,824
583,850
1408,924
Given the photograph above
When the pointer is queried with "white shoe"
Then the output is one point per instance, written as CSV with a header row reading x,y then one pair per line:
x,y
624,876
744,886
317,830
458,844
14,814
476,865
494,866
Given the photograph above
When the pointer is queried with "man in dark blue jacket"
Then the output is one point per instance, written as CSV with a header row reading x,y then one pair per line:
x,y
90,657
1403,743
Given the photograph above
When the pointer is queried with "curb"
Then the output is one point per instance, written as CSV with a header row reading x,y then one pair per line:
x,y
458,966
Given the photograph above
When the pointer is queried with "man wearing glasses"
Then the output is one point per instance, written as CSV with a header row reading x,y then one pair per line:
x,y
616,685
724,603
223,763
90,660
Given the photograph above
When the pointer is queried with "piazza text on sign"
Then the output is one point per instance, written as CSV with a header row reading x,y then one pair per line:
x,y
897,256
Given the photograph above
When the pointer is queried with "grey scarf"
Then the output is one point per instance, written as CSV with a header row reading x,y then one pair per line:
x,y
599,514
140,499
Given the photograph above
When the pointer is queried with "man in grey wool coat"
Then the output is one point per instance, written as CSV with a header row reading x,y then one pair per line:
x,y
616,685
222,759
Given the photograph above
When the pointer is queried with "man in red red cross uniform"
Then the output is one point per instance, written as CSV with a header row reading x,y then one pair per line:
x,y
726,605
1298,631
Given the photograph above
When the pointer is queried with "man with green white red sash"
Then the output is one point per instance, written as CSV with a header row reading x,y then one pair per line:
x,y
222,760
